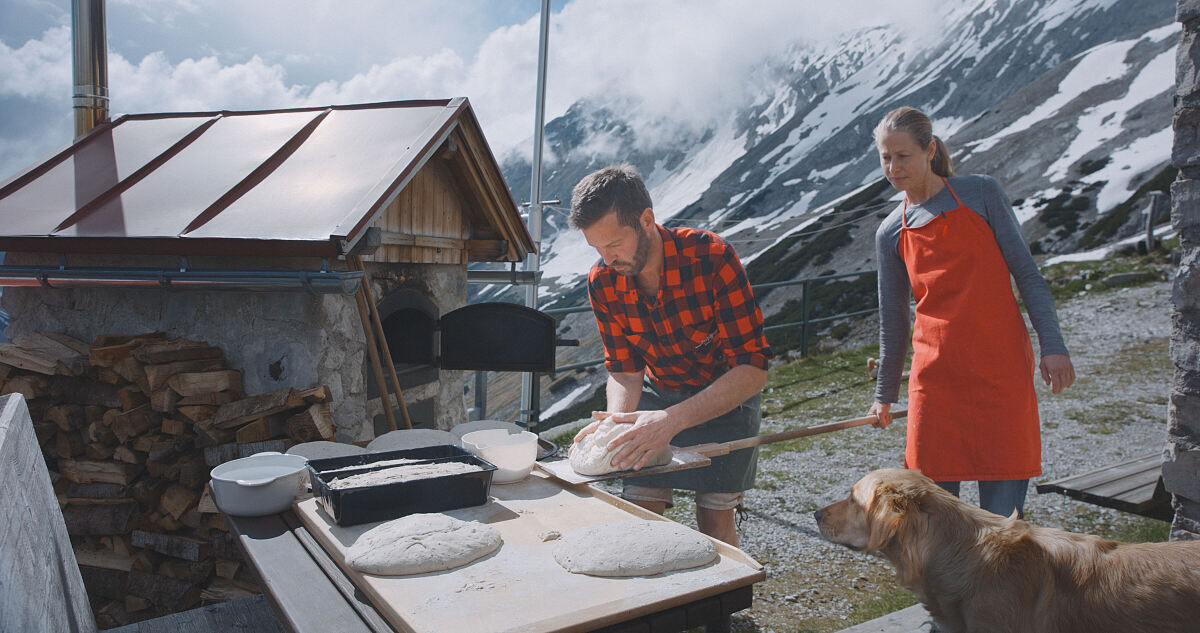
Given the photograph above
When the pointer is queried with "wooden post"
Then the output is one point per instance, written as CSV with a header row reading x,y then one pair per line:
x,y
373,354
357,264
1156,201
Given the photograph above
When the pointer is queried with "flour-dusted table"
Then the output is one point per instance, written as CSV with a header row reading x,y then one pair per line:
x,y
299,555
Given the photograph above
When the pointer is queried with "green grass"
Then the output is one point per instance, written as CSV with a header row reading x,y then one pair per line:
x,y
1068,279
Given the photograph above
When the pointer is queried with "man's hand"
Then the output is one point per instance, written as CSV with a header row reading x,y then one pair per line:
x,y
591,428
648,434
1057,371
881,410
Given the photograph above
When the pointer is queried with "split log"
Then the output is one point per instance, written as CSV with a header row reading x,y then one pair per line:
x,y
315,395
197,573
87,517
214,399
82,471
262,429
158,375
217,455
133,604
164,400
221,591
148,490
193,472
195,383
84,391
30,386
68,417
35,351
132,397
129,424
176,500
99,452
105,340
208,436
125,454
198,413
314,423
174,546
99,433
145,443
69,444
96,491
206,505
249,409
175,350
103,582
226,568
167,593
103,557
171,426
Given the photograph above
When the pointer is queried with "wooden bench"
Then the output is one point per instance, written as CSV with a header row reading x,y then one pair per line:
x,y
1133,486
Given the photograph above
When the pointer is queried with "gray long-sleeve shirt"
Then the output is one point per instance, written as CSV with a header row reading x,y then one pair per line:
x,y
983,195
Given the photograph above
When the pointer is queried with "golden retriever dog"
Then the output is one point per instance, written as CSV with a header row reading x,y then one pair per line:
x,y
977,572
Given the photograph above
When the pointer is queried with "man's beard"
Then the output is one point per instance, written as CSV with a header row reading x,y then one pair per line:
x,y
640,255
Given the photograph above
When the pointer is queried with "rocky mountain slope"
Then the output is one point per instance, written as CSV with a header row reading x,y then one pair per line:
x,y
1066,102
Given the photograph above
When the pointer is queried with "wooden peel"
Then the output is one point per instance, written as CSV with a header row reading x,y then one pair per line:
x,y
700,455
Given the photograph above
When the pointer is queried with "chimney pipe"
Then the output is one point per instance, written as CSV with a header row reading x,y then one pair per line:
x,y
90,56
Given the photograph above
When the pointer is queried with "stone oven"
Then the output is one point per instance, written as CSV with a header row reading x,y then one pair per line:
x,y
235,228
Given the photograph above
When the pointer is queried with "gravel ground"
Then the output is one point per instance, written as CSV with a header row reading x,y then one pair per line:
x,y
1115,411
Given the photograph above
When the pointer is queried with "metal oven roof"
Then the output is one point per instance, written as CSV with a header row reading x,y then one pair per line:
x,y
297,182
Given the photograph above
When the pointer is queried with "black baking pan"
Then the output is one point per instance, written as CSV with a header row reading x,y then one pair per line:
x,y
367,459
367,504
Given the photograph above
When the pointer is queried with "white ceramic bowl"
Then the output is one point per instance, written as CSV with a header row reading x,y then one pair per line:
x,y
512,453
258,485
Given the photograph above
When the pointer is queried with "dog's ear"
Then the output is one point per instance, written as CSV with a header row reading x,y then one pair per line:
x,y
885,515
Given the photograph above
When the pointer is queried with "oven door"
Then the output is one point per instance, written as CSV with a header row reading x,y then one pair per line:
x,y
497,337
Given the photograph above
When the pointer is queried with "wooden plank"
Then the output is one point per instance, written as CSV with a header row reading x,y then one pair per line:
x,y
521,511
196,383
249,409
175,350
426,241
158,375
305,598
84,471
680,460
34,544
1102,474
249,614
175,546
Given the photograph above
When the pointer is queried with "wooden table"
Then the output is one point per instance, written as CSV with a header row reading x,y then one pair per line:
x,y
299,558
1133,486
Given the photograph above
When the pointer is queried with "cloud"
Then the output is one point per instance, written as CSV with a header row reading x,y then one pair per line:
x,y
670,65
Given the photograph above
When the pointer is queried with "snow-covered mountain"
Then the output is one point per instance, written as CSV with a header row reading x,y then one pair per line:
x,y
1067,102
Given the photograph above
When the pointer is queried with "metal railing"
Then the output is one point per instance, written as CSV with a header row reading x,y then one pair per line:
x,y
804,323
480,387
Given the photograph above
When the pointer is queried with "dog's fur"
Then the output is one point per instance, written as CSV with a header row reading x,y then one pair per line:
x,y
977,572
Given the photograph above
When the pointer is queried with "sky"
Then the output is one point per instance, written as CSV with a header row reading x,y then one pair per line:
x,y
684,60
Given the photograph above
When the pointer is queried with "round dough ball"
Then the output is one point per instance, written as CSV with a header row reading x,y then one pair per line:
x,y
322,449
420,543
483,425
591,456
411,438
633,548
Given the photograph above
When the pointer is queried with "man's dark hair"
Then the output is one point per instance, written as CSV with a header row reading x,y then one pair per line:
x,y
618,187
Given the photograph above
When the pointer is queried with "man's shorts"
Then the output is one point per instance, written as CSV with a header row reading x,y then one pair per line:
x,y
706,500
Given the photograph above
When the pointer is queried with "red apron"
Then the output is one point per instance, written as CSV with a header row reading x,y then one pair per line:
x,y
972,411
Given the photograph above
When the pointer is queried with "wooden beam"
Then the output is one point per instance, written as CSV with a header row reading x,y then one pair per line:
x,y
487,250
392,238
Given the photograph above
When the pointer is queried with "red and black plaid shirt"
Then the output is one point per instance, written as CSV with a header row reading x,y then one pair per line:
x,y
703,323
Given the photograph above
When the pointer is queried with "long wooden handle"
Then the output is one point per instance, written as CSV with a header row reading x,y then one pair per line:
x,y
722,448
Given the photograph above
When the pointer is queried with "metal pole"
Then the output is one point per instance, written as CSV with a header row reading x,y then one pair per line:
x,y
1151,214
804,320
89,48
530,407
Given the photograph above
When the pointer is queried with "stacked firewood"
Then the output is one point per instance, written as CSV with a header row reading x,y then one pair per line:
x,y
130,427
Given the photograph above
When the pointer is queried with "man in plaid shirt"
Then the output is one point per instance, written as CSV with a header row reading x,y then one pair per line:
x,y
683,344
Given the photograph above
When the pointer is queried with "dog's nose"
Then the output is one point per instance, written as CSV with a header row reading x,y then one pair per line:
x,y
817,516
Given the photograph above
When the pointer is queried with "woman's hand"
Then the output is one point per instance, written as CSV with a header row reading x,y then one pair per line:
x,y
881,410
1057,371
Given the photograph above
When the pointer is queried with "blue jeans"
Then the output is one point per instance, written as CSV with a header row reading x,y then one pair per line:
x,y
997,497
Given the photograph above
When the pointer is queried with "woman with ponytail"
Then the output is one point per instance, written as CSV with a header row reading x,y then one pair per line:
x,y
953,243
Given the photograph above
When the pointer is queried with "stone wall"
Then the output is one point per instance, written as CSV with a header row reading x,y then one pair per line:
x,y
277,339
1181,465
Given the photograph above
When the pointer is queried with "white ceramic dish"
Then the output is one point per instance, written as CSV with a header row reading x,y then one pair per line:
x,y
512,453
258,485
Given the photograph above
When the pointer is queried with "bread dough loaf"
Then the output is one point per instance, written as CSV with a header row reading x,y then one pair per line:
x,y
411,438
633,548
591,456
420,543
